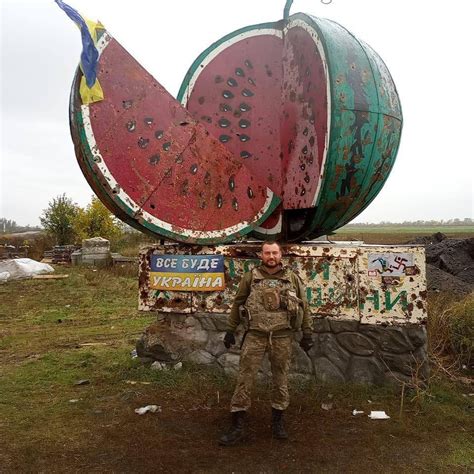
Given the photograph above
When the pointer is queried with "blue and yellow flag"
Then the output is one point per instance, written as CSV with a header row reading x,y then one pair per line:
x,y
89,89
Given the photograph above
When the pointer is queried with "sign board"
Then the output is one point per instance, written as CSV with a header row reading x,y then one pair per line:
x,y
187,272
370,284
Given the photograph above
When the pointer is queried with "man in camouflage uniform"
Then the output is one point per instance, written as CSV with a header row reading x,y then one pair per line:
x,y
271,304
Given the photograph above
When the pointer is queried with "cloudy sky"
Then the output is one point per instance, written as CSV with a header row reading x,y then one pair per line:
x,y
427,45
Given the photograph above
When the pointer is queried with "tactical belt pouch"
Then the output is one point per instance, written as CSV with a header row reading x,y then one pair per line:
x,y
271,299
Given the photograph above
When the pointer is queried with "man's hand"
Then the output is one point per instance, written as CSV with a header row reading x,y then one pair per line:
x,y
306,342
229,339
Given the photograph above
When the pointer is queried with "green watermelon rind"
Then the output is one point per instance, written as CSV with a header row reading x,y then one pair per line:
x,y
117,203
326,182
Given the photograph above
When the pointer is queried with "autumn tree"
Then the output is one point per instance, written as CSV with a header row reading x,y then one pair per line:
x,y
59,219
96,221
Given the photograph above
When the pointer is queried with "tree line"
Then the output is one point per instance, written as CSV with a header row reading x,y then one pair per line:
x,y
67,223
448,222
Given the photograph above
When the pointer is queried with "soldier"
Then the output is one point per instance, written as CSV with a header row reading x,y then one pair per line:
x,y
271,304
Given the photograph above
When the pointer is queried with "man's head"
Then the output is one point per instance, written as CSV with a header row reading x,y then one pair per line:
x,y
271,254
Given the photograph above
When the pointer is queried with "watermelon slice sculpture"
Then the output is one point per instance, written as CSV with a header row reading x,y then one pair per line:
x,y
281,130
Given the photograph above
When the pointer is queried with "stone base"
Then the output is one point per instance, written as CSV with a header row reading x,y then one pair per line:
x,y
343,351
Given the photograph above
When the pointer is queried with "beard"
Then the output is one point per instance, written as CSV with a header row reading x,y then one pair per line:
x,y
271,263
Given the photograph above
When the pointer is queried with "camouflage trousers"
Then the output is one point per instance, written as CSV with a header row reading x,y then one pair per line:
x,y
251,356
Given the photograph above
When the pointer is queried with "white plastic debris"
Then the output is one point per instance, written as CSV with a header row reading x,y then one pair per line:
x,y
133,353
357,412
74,400
4,276
378,415
178,366
19,268
148,408
157,366
326,406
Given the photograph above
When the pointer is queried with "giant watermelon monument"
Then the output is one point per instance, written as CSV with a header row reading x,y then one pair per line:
x,y
283,130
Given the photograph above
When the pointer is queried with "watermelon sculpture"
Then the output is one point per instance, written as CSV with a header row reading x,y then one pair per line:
x,y
281,130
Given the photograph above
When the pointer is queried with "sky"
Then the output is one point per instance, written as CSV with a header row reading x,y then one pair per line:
x,y
426,44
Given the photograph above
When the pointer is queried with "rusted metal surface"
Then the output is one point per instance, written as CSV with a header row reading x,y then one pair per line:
x,y
286,129
371,284
322,122
154,165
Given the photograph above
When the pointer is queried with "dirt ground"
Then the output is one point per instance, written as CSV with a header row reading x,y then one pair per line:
x,y
101,433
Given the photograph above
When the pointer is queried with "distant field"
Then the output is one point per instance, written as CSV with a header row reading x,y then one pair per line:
x,y
398,234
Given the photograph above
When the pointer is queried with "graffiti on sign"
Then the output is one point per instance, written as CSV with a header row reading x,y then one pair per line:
x,y
187,272
390,264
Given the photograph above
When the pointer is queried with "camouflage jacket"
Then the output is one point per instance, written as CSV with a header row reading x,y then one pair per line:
x,y
244,291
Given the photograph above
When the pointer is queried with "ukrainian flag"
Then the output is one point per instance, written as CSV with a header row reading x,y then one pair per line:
x,y
89,89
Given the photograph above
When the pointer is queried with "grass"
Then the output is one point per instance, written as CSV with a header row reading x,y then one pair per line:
x,y
56,333
398,234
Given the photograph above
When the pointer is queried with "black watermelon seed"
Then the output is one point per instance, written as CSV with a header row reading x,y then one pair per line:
x,y
292,96
232,82
202,204
245,154
227,94
143,142
131,125
235,204
239,72
159,134
127,103
225,108
193,169
307,178
303,192
152,206
201,100
185,187
168,173
247,93
167,146
249,192
302,167
305,131
207,178
178,159
148,121
311,141
305,150
219,201
244,138
244,107
154,159
244,123
218,79
251,81
224,123
232,183
248,64
224,138
307,72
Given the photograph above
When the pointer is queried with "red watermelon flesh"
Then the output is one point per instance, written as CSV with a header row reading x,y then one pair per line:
x,y
264,94
167,172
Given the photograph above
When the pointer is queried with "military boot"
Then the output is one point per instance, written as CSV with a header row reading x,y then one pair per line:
x,y
236,431
278,428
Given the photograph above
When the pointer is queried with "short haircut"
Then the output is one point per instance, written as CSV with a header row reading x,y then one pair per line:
x,y
272,242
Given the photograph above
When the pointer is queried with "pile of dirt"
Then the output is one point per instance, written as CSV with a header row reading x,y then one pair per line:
x,y
450,263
